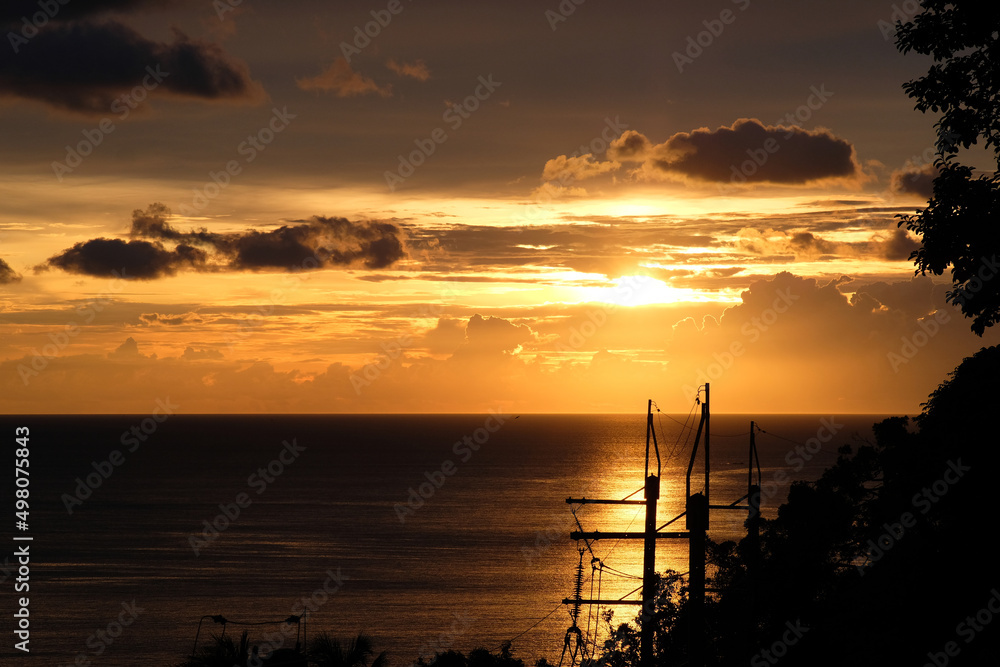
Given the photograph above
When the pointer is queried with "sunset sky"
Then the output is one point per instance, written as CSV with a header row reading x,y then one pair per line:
x,y
416,206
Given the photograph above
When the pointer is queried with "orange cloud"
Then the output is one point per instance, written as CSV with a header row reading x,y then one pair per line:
x,y
339,78
792,344
415,70
564,169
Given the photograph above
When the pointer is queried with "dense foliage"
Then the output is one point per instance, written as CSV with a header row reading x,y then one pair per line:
x,y
959,227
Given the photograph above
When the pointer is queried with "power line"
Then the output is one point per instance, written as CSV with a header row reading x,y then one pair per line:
x,y
794,442
532,627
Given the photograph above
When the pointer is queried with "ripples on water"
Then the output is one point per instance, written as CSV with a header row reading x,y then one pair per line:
x,y
484,558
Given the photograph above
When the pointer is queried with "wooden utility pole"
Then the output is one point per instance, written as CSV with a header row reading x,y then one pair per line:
x,y
651,493
697,518
697,523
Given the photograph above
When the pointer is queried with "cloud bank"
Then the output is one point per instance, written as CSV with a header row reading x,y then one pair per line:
x,y
85,67
316,243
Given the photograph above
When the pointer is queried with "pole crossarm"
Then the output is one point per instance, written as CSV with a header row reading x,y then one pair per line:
x,y
599,535
671,521
598,501
572,601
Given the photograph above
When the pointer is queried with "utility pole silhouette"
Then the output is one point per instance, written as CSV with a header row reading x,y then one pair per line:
x,y
696,512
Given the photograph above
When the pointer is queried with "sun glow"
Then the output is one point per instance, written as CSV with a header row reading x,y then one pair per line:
x,y
640,291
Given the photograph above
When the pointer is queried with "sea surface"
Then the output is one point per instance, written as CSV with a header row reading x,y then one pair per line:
x,y
426,532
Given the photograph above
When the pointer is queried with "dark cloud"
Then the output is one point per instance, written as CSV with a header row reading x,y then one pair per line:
x,y
807,243
88,68
752,152
916,298
13,12
328,241
899,245
631,145
311,244
153,223
150,319
126,351
139,260
7,274
492,338
894,245
446,336
614,247
914,181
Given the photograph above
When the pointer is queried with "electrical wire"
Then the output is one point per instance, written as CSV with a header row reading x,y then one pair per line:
x,y
615,546
685,431
684,424
531,627
729,435
598,565
619,573
794,442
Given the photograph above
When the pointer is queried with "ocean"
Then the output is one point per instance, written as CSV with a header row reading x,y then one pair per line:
x,y
426,532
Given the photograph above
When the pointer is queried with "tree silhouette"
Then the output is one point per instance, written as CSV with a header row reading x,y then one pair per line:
x,y
958,227
884,560
222,652
478,657
326,651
